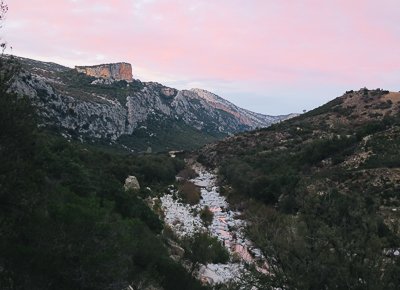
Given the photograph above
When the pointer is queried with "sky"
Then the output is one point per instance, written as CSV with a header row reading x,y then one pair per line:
x,y
268,56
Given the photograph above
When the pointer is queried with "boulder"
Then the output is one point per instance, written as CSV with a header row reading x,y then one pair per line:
x,y
176,251
131,183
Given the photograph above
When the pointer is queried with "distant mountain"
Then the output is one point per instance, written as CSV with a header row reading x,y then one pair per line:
x,y
248,118
102,104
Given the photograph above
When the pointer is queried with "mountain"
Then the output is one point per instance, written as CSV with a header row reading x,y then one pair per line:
x,y
248,118
321,192
315,197
345,115
67,222
104,104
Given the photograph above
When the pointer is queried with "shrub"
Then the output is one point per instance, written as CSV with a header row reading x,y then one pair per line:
x,y
201,248
187,173
206,216
189,192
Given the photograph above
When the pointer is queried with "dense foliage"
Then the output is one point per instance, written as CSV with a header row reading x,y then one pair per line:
x,y
65,220
167,134
201,248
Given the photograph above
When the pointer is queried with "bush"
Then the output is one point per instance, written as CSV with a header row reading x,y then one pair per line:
x,y
206,216
189,192
187,173
321,149
203,249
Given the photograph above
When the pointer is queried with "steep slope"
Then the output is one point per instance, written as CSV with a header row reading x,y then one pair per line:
x,y
345,115
66,220
251,119
134,114
321,192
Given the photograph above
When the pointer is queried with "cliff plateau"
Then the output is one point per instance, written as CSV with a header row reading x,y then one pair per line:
x,y
114,71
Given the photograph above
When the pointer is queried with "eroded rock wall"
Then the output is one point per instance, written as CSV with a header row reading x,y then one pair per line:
x,y
116,71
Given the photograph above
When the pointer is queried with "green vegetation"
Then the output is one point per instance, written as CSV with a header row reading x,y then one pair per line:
x,y
203,249
386,148
335,242
206,216
167,134
322,196
65,221
187,173
80,85
189,192
335,103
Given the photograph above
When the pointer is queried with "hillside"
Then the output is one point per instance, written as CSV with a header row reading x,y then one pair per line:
x,y
322,192
99,105
66,221
309,203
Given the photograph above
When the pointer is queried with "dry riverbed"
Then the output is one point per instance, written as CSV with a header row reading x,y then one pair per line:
x,y
226,226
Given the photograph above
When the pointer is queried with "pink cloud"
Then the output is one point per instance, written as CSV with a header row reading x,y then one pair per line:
x,y
262,41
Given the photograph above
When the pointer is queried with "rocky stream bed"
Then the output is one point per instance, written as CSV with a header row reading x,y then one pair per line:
x,y
226,226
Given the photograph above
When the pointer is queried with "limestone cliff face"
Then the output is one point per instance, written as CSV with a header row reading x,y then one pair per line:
x,y
90,111
115,71
96,118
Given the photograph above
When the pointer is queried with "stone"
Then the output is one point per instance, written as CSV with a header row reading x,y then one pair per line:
x,y
131,183
184,221
175,250
219,273
115,71
169,92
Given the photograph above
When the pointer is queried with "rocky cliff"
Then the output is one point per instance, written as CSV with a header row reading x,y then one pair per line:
x,y
141,114
114,71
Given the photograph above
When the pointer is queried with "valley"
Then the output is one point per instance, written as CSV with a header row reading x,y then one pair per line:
x,y
310,202
159,145
226,226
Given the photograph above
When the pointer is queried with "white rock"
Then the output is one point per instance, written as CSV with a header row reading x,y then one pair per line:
x,y
131,182
225,227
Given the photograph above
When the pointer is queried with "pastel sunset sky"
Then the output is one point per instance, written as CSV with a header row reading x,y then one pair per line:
x,y
269,56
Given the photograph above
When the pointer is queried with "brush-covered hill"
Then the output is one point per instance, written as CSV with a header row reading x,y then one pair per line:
x,y
322,192
66,221
103,104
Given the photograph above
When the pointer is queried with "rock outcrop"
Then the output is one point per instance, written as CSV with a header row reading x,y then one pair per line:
x,y
226,226
115,71
176,252
98,118
131,183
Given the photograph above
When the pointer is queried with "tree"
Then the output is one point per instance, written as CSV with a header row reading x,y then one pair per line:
x,y
334,242
203,249
206,216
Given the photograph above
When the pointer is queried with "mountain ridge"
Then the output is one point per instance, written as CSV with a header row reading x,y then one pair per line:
x,y
105,109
